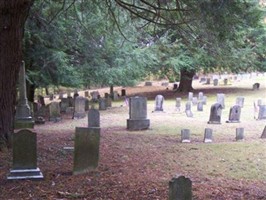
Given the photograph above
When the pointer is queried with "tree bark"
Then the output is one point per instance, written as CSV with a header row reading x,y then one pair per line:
x,y
13,14
186,79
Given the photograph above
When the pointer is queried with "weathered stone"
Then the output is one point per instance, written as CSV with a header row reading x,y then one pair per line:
x,y
24,165
215,82
148,83
190,96
93,118
178,104
185,135
234,115
180,189
200,96
102,104
188,109
86,149
79,109
54,112
256,86
175,86
220,99
262,112
64,104
239,134
194,101
215,114
200,106
208,135
263,135
159,99
240,101
123,92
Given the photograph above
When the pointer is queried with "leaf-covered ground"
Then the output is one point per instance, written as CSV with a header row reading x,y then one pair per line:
x,y
138,165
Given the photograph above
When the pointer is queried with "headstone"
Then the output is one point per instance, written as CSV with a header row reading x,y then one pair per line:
x,y
225,81
220,99
185,135
263,135
108,102
188,109
41,100
190,96
148,83
115,96
240,101
94,96
178,104
106,95
159,103
180,189
86,94
208,81
24,165
262,112
102,104
54,112
123,92
64,104
165,84
93,118
51,97
69,94
79,109
234,115
202,80
215,82
175,87
23,118
200,96
86,149
138,114
61,95
208,135
239,134
194,101
71,101
215,115
200,106
256,86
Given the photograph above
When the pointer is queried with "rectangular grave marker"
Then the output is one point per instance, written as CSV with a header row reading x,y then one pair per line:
x,y
180,188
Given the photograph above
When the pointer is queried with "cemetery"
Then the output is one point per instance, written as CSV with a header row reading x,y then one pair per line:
x,y
129,151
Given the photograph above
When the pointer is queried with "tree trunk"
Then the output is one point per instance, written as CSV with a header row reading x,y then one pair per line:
x,y
13,14
186,79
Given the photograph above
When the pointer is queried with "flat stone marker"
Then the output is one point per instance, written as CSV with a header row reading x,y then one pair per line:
x,y
185,136
215,115
138,114
234,115
208,135
178,104
239,134
86,149
159,99
263,135
262,112
54,112
188,109
180,188
220,99
79,109
24,165
93,118
240,101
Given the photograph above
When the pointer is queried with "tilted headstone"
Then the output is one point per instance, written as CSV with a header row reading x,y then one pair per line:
x,y
23,117
86,149
185,135
138,114
208,135
79,109
263,135
215,115
239,134
234,115
93,118
24,165
102,104
256,105
262,112
190,96
188,109
240,101
159,99
178,104
54,112
180,189
220,99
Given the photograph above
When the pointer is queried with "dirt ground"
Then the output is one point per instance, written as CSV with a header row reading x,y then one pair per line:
x,y
135,165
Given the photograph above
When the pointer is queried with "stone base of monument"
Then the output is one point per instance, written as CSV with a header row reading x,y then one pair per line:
x,y
138,124
214,122
19,124
19,174
232,121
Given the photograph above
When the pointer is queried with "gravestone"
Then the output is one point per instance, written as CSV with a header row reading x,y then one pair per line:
x,y
194,101
123,92
165,84
159,103
41,100
76,94
87,104
94,96
215,82
208,81
234,115
148,83
108,102
54,112
23,117
262,112
64,104
220,99
178,104
190,96
240,101
69,94
188,109
79,109
61,95
202,80
256,86
24,165
208,135
215,115
102,104
200,96
180,189
86,149
185,135
175,87
86,94
138,114
263,135
200,106
225,81
51,97
239,134
93,118
115,96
